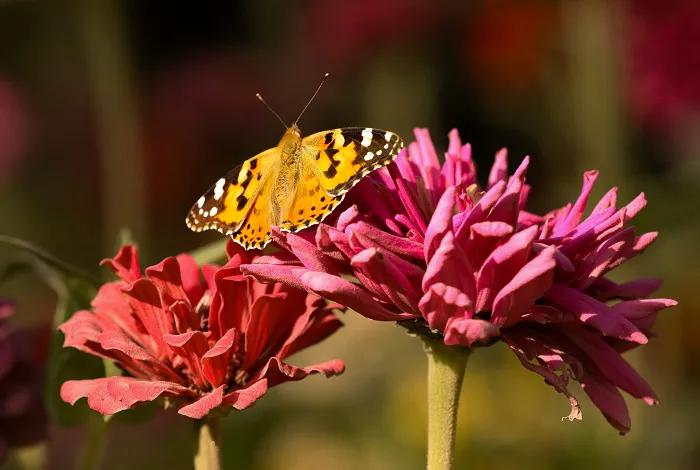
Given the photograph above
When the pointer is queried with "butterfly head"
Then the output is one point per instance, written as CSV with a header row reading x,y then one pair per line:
x,y
290,141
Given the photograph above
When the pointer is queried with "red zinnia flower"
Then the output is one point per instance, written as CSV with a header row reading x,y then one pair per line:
x,y
432,250
218,343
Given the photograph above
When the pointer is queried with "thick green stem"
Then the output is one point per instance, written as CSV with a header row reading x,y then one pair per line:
x,y
207,455
446,365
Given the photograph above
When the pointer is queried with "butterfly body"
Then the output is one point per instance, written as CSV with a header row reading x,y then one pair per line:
x,y
292,186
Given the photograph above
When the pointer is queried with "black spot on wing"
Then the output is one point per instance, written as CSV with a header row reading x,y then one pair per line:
x,y
332,170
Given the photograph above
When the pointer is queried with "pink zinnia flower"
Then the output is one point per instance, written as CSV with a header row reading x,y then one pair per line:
x,y
22,413
429,248
217,343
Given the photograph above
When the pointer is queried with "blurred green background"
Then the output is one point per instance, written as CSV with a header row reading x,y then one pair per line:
x,y
120,113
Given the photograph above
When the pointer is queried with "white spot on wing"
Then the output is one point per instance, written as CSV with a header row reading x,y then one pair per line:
x,y
379,152
200,201
369,156
219,189
213,211
388,135
366,137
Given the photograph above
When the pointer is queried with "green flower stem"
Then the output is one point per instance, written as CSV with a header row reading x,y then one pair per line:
x,y
446,365
207,455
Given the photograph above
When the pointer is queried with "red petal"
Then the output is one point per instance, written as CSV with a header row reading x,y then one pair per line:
x,y
204,405
215,361
110,395
244,397
125,264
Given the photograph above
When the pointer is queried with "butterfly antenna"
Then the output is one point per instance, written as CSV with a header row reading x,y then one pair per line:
x,y
323,80
262,100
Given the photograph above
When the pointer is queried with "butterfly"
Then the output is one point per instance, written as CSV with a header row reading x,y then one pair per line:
x,y
293,185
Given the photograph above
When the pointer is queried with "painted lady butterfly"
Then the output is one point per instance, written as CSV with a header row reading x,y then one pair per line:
x,y
294,185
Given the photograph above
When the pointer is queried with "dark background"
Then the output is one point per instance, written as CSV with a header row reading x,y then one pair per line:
x,y
119,114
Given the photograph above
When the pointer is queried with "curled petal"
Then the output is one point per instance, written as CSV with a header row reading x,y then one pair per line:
x,y
125,264
244,397
215,361
110,395
277,372
442,302
200,408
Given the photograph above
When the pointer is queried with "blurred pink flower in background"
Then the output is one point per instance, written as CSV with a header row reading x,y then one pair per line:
x,y
434,251
217,343
14,129
664,66
22,414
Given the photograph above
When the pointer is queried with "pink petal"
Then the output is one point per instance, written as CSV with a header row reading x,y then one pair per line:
x,y
346,293
389,278
442,302
479,212
309,254
440,223
449,265
531,282
611,365
501,266
204,405
606,289
528,349
576,213
507,207
595,313
413,212
608,400
499,170
399,245
469,331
